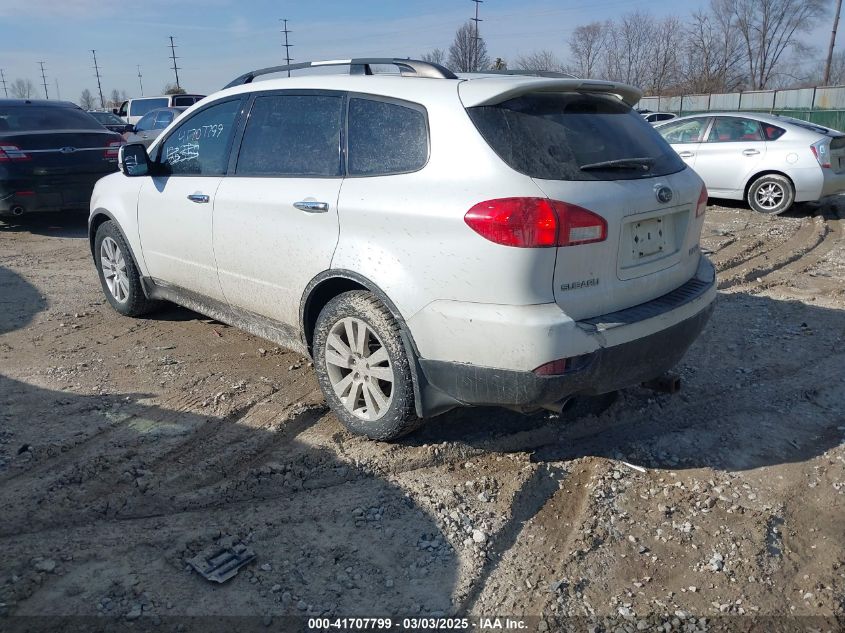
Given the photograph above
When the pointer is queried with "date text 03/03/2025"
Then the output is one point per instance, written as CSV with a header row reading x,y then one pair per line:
x,y
416,624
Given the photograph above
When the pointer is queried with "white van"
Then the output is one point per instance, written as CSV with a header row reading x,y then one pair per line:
x,y
131,111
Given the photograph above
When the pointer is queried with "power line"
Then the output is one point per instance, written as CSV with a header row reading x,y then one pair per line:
x,y
3,81
476,19
44,80
99,83
287,46
174,58
140,80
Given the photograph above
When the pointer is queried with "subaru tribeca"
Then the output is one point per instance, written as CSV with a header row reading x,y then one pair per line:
x,y
431,241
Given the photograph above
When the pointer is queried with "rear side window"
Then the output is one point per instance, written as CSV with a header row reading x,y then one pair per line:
x,y
292,135
727,129
139,107
184,101
554,135
199,146
385,138
772,132
25,118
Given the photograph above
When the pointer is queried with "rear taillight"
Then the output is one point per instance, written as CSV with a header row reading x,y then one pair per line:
x,y
701,207
111,152
554,368
821,151
9,153
535,223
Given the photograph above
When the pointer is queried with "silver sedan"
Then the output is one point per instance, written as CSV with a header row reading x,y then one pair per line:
x,y
152,124
769,161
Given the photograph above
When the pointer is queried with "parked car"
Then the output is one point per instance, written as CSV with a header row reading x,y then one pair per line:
x,y
769,161
429,241
658,117
110,121
151,125
132,110
51,154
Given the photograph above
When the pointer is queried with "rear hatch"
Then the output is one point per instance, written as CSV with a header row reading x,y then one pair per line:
x,y
591,151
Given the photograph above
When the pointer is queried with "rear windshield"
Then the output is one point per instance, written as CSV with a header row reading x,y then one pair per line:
x,y
554,135
139,107
27,118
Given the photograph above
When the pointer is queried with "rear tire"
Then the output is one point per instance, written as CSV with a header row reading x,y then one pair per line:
x,y
771,194
362,367
118,272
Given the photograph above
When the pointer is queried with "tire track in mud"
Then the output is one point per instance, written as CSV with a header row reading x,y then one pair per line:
x,y
834,237
807,238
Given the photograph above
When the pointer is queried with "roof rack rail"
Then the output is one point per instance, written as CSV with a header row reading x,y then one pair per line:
x,y
550,74
360,66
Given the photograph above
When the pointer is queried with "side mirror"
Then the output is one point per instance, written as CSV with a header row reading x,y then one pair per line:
x,y
133,160
128,128
114,110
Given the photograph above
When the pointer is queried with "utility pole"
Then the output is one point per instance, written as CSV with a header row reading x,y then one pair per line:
x,y
3,81
140,80
476,19
99,84
44,80
832,42
58,94
286,45
174,58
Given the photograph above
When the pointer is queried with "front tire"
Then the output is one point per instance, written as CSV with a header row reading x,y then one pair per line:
x,y
118,272
771,194
362,367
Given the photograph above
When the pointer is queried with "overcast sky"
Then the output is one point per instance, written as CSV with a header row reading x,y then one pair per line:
x,y
220,39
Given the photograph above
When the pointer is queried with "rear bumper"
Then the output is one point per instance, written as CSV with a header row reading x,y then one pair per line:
x,y
35,195
633,346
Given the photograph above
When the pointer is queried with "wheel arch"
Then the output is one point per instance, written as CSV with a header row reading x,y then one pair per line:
x,y
98,217
766,172
330,283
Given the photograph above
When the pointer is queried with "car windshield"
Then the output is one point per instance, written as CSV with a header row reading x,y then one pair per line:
x,y
36,118
574,136
107,118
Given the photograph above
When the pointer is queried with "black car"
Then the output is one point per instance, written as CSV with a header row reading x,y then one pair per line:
x,y
51,154
111,121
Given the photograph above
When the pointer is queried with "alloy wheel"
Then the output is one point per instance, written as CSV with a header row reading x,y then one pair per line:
x,y
359,369
113,265
769,196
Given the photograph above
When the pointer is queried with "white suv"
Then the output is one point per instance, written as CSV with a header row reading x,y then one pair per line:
x,y
430,241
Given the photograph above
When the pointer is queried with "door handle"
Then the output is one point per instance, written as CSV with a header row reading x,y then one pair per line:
x,y
310,206
686,154
198,198
750,152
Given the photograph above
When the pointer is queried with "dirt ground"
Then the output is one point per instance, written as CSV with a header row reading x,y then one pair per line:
x,y
128,446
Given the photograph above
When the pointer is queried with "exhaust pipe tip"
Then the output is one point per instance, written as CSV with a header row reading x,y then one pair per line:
x,y
17,210
560,406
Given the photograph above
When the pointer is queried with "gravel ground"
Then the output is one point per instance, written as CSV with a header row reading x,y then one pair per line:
x,y
129,446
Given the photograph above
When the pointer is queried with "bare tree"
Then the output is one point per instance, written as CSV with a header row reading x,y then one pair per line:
x,y
586,46
767,29
114,99
499,64
539,60
436,56
468,53
23,89
712,55
86,100
667,39
173,89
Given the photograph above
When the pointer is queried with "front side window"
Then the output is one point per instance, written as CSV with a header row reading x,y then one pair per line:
x,y
731,129
200,145
574,136
385,138
688,131
292,135
139,107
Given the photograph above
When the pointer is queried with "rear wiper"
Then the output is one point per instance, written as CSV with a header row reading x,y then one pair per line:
x,y
645,163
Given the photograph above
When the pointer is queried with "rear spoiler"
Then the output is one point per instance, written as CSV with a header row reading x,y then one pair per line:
x,y
478,92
